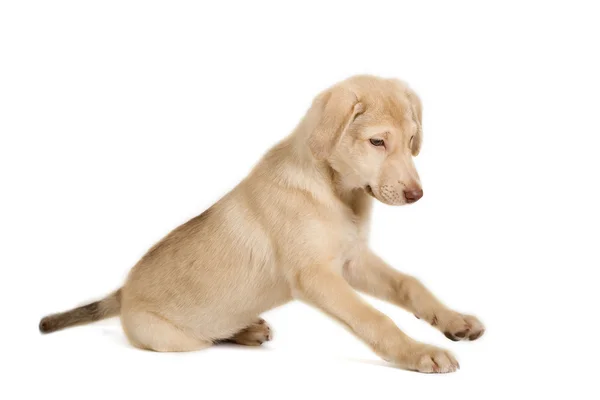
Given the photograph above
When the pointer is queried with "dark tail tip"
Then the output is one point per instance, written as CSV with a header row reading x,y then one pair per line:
x,y
46,325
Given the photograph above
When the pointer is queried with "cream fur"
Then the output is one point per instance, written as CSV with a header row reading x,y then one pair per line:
x,y
296,228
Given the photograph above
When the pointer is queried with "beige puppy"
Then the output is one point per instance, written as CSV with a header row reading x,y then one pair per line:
x,y
296,228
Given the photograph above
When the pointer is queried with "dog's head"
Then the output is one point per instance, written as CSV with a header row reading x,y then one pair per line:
x,y
368,129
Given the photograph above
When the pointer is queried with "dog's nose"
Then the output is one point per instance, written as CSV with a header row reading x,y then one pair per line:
x,y
413,195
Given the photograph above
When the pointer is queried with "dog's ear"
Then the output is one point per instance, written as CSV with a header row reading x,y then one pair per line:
x,y
329,116
417,112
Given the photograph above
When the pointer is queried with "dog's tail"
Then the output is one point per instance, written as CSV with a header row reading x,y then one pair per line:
x,y
108,307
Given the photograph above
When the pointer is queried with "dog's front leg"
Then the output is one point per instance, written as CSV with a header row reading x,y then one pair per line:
x,y
327,289
373,276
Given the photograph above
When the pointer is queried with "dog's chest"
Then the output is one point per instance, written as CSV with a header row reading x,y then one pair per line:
x,y
353,236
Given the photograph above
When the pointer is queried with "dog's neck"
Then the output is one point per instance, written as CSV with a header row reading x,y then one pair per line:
x,y
291,164
356,199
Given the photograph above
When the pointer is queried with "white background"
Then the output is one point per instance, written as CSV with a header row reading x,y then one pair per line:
x,y
119,120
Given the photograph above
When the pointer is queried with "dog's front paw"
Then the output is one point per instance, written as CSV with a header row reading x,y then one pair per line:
x,y
462,327
429,359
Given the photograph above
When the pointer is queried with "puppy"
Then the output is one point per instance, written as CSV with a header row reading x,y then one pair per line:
x,y
296,228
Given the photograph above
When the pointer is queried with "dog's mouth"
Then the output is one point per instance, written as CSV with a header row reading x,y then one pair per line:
x,y
369,190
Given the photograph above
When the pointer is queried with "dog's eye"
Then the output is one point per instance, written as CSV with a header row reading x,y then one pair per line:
x,y
377,142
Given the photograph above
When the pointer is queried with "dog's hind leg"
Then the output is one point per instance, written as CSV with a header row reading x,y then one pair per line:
x,y
254,335
151,331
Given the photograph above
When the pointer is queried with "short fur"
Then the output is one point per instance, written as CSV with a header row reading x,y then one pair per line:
x,y
296,228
